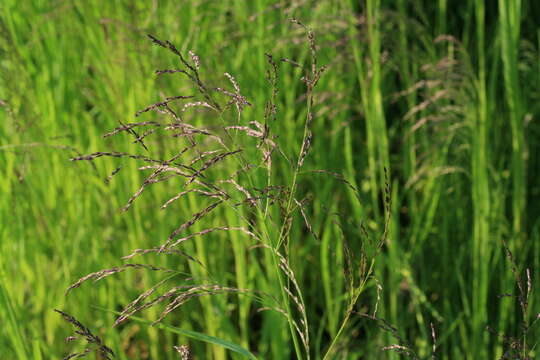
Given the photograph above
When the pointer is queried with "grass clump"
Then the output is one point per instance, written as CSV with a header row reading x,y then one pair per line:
x,y
220,160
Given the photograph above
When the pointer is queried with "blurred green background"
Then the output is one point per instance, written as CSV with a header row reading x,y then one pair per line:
x,y
444,94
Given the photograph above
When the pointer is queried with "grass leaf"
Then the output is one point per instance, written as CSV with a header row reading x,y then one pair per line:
x,y
192,334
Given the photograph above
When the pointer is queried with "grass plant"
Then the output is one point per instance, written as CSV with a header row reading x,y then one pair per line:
x,y
284,155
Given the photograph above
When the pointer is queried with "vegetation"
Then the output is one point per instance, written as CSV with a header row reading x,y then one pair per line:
x,y
325,180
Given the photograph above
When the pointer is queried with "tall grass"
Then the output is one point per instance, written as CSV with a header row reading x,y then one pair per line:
x,y
441,94
510,25
481,191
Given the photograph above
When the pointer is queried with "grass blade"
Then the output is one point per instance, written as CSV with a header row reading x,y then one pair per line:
x,y
11,321
193,335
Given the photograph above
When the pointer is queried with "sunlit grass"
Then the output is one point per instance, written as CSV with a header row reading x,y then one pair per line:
x,y
452,119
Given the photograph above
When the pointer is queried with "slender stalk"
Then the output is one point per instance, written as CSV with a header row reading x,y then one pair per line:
x,y
356,294
285,227
481,193
510,18
376,115
441,21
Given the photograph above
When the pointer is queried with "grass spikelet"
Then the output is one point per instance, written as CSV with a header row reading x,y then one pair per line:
x,y
98,275
196,217
96,344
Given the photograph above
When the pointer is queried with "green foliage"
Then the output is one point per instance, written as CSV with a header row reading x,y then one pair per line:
x,y
438,99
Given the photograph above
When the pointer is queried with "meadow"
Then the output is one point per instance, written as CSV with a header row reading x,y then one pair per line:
x,y
270,179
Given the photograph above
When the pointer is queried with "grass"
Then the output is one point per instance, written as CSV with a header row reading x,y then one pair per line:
x,y
443,95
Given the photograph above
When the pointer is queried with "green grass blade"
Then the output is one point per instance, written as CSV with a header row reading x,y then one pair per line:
x,y
509,17
193,335
10,320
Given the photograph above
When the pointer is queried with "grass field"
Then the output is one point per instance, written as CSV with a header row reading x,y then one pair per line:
x,y
383,202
